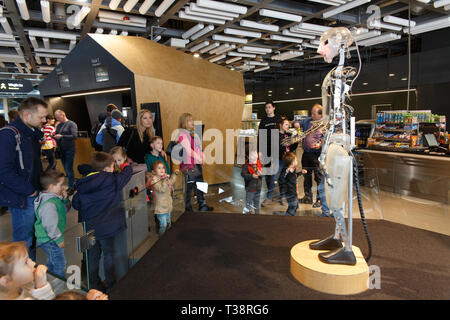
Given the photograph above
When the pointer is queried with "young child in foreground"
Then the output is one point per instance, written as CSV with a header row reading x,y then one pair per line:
x,y
121,160
251,172
288,182
19,279
162,186
97,200
51,207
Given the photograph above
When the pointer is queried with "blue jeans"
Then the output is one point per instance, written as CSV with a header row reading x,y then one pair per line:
x,y
56,262
23,226
105,246
67,157
270,180
292,207
322,196
277,176
252,201
164,222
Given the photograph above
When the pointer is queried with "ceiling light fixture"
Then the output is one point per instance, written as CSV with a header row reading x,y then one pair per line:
x,y
441,3
196,8
261,69
193,30
45,9
196,55
122,19
23,9
391,74
202,32
280,15
145,6
233,60
286,39
330,3
344,7
217,58
378,24
380,39
183,15
232,47
199,46
219,48
244,33
434,24
258,63
43,33
163,7
287,55
129,5
218,37
210,47
370,34
84,11
222,6
124,33
207,15
257,49
312,27
255,25
298,35
99,30
399,21
94,92
240,54
113,4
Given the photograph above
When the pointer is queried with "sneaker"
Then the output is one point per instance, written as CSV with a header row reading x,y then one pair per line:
x,y
306,200
317,204
205,208
266,202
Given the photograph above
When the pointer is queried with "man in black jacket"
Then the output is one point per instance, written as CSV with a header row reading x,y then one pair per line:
x,y
269,123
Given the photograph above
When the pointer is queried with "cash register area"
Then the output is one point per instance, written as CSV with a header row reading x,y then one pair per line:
x,y
392,192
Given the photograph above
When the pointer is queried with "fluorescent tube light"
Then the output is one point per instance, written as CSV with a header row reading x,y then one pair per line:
x,y
217,58
72,44
113,4
313,27
23,9
219,48
202,32
298,35
45,9
130,5
42,33
218,37
121,18
434,24
441,3
424,1
193,30
309,45
232,47
399,21
93,92
447,8
113,32
163,7
210,47
46,43
84,11
287,55
145,6
99,30
157,39
199,46
261,69
370,34
344,7
257,49
258,63
330,3
222,6
380,39
286,39
183,15
240,54
124,33
251,51
233,60
280,15
5,25
244,33
196,8
378,24
207,15
122,23
7,37
262,26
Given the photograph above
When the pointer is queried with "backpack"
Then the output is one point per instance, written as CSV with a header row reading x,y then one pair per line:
x,y
109,136
94,131
17,136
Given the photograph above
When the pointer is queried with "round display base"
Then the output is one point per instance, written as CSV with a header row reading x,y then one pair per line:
x,y
328,278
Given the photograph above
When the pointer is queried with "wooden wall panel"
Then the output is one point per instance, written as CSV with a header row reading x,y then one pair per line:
x,y
216,109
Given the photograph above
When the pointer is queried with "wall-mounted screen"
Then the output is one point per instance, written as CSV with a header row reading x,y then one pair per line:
x,y
101,74
64,81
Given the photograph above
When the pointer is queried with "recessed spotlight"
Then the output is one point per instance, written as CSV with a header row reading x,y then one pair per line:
x,y
404,79
196,55
365,84
308,90
269,95
317,85
391,74
287,92
291,88
232,69
270,91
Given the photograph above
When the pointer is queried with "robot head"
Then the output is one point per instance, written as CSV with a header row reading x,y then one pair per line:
x,y
332,40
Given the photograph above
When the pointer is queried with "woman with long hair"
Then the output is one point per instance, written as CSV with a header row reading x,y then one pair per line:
x,y
136,140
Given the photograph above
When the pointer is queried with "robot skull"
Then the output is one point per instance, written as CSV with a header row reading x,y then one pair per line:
x,y
332,40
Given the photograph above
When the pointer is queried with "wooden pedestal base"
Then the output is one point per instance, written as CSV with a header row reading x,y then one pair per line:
x,y
328,278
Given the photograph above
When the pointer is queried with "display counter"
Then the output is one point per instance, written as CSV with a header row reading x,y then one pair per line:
x,y
410,174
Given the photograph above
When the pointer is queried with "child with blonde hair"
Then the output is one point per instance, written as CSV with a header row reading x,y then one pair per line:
x,y
19,279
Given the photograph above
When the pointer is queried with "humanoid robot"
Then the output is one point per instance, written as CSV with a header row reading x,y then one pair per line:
x,y
336,161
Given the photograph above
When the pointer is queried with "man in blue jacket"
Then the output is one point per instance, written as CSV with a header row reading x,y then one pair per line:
x,y
20,168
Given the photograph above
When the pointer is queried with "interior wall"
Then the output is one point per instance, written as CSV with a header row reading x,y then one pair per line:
x,y
75,109
216,109
97,103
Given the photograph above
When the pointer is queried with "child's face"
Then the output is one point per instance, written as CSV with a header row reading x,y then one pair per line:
x,y
58,188
118,159
157,145
23,272
294,163
285,126
253,157
190,123
160,170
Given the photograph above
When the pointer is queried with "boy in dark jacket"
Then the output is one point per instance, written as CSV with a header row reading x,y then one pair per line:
x,y
97,198
288,182
251,172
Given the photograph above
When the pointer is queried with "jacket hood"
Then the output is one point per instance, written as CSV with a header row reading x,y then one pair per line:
x,y
91,183
42,197
114,122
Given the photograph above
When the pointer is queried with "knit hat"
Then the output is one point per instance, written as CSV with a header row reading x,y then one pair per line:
x,y
116,114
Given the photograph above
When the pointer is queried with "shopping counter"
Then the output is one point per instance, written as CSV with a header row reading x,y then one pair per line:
x,y
418,175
